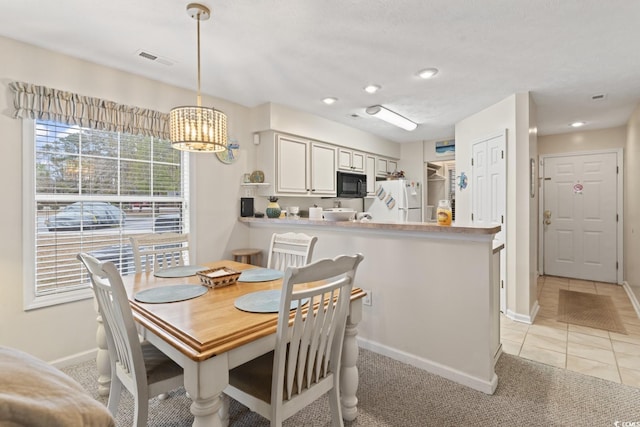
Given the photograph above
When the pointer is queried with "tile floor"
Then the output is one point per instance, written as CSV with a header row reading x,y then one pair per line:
x,y
595,352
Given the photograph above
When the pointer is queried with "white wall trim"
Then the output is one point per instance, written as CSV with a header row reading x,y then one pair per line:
x,y
632,297
431,367
524,318
74,359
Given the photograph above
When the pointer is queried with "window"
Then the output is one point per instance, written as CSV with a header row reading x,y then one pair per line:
x,y
89,190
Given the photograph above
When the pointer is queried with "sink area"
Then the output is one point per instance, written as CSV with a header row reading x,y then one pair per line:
x,y
339,214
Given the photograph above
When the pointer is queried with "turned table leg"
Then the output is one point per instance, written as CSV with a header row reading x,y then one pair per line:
x,y
349,368
102,357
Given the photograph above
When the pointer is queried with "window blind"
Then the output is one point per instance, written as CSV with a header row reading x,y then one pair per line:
x,y
93,190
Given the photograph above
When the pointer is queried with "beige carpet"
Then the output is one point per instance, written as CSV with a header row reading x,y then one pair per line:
x,y
393,394
592,310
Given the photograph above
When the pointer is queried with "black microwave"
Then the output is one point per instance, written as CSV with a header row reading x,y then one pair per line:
x,y
351,185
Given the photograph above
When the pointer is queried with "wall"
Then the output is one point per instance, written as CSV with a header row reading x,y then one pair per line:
x,y
69,329
283,119
587,140
512,114
632,204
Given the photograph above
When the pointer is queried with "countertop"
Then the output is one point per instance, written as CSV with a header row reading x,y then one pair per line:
x,y
428,227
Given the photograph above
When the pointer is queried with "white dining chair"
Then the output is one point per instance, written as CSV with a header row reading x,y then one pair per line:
x,y
290,250
138,366
154,251
306,361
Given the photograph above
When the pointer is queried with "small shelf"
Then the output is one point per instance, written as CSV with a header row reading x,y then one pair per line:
x,y
255,184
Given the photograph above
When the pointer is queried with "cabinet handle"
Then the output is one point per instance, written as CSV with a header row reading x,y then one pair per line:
x,y
313,189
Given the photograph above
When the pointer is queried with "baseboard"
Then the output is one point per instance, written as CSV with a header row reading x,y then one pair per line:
x,y
632,296
74,359
528,319
488,387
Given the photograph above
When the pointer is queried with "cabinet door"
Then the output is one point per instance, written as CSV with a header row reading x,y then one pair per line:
x,y
371,174
344,159
357,162
381,167
323,170
392,166
292,155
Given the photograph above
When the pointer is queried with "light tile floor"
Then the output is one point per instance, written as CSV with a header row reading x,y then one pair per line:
x,y
595,352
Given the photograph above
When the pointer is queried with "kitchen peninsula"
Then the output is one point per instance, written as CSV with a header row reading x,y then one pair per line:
x,y
434,290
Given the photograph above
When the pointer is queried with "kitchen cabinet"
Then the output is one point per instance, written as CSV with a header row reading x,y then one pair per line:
x,y
385,166
351,160
371,174
304,167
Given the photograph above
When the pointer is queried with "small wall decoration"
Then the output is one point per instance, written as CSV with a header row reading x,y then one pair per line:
x,y
577,188
446,148
229,155
462,181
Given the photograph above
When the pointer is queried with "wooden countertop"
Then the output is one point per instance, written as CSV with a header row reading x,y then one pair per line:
x,y
427,227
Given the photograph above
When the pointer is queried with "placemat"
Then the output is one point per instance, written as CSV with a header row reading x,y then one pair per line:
x,y
179,271
173,293
263,302
260,275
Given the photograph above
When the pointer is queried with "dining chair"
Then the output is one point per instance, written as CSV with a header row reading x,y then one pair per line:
x,y
290,250
159,250
306,361
138,366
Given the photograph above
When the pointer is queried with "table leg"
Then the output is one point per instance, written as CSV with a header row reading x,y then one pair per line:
x,y
204,382
102,356
349,368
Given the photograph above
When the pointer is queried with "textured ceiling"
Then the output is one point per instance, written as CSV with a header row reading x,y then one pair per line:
x,y
296,52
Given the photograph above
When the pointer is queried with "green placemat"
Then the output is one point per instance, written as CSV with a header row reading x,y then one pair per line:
x,y
173,293
260,275
263,302
179,271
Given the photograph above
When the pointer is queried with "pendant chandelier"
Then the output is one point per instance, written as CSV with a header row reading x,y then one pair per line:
x,y
198,128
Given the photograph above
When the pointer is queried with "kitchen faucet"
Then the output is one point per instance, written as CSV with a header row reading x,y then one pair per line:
x,y
337,204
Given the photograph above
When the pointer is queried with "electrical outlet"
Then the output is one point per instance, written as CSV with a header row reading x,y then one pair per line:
x,y
368,299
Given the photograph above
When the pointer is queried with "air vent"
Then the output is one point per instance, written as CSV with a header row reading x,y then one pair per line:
x,y
598,96
154,58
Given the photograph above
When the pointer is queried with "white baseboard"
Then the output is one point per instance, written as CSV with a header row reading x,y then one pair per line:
x,y
488,387
74,359
632,297
528,319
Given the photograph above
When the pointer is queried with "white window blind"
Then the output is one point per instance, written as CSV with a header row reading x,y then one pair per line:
x,y
93,190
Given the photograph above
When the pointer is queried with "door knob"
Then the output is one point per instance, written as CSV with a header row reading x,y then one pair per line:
x,y
547,217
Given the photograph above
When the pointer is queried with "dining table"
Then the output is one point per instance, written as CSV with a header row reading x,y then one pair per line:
x,y
208,336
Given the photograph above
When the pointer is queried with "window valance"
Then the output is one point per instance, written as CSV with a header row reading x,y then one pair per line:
x,y
40,102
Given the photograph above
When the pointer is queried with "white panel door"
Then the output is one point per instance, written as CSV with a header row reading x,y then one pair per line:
x,y
580,216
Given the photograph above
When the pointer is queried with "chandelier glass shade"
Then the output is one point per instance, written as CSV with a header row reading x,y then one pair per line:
x,y
198,128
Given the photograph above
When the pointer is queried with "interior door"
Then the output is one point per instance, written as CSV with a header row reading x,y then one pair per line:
x,y
580,216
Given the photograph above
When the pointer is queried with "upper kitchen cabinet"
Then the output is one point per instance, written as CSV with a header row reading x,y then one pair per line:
x,y
304,167
385,166
371,174
350,160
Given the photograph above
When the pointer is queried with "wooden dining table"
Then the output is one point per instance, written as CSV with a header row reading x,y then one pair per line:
x,y
208,336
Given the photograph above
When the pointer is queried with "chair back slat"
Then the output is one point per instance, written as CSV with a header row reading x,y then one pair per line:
x,y
125,352
156,251
290,250
309,346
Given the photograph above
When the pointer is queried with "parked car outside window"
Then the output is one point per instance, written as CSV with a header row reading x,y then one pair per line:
x,y
86,215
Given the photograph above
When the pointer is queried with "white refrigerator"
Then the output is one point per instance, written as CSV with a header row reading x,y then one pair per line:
x,y
397,200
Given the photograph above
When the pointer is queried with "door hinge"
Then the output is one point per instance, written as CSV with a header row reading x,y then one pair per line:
x,y
502,154
472,161
501,219
471,217
502,284
617,218
617,170
616,265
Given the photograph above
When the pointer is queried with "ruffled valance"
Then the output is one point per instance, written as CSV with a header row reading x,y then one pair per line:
x,y
43,103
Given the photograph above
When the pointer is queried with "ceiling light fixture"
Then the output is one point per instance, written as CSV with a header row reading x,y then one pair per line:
x,y
391,117
198,128
371,88
330,100
577,124
427,73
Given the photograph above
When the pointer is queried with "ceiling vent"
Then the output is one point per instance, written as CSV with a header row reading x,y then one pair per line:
x,y
154,58
598,96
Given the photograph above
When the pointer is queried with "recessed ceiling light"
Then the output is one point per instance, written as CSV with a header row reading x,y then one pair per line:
x,y
372,88
578,124
427,73
330,100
